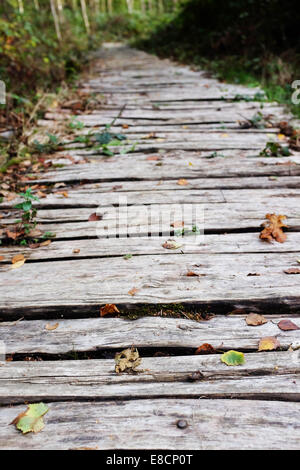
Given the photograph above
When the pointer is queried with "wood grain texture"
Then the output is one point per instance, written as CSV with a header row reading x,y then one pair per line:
x,y
93,334
264,375
212,424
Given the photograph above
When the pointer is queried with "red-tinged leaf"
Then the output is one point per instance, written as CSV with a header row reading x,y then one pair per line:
x,y
108,309
94,217
205,348
292,271
153,158
287,325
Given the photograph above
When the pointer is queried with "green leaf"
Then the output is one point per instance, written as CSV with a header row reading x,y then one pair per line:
x,y
32,419
233,358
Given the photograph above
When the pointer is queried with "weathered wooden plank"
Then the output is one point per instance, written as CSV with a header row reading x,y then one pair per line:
x,y
189,165
80,285
212,424
269,375
96,334
97,248
93,334
134,221
81,197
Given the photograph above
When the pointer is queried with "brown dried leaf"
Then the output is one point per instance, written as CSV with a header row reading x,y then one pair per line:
x,y
46,243
273,231
18,258
108,309
127,360
94,217
18,264
153,158
292,271
253,319
268,343
76,251
287,325
205,348
51,327
133,291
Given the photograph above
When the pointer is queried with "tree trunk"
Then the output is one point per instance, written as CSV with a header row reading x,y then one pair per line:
x,y
85,16
55,19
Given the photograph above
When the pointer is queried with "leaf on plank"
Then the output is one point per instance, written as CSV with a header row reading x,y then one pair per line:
x,y
32,419
268,343
233,358
18,261
108,309
127,361
133,291
292,271
182,182
253,319
273,228
49,327
205,348
171,245
94,217
287,325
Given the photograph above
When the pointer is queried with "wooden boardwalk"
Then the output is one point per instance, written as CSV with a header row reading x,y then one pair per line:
x,y
188,150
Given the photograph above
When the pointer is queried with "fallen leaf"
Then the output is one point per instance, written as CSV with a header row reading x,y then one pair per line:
x,y
193,274
233,358
13,234
205,348
253,319
93,217
268,343
153,158
1,258
273,231
34,233
128,256
287,325
127,360
76,251
133,291
177,223
253,274
182,182
18,258
292,271
171,245
108,309
46,243
51,327
32,419
125,126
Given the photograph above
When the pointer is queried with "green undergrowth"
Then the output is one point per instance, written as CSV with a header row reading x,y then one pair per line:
x,y
250,42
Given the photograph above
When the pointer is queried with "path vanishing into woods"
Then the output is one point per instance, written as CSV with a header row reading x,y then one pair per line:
x,y
186,149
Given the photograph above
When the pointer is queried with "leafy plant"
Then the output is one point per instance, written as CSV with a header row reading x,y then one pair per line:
x,y
273,149
28,211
